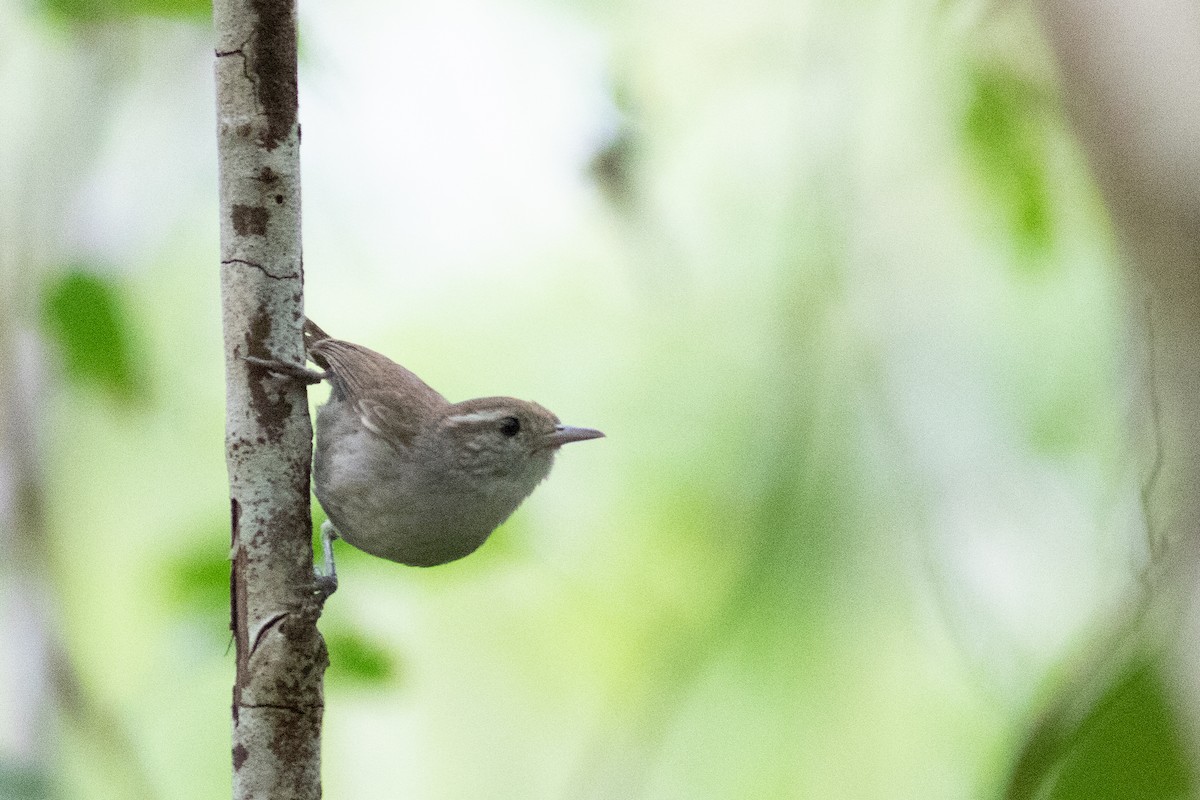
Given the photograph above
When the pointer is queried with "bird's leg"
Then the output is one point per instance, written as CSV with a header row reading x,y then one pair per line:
x,y
328,570
298,371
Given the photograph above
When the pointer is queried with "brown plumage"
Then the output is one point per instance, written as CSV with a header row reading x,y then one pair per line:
x,y
406,475
391,400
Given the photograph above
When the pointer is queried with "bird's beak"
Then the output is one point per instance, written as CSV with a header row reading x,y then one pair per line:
x,y
563,434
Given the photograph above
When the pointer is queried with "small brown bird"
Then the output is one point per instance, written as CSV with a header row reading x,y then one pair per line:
x,y
406,475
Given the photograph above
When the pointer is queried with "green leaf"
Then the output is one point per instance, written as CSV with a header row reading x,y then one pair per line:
x,y
100,10
199,581
1006,136
85,314
1129,745
354,658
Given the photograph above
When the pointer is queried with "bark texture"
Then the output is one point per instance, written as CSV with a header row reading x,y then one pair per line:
x,y
281,658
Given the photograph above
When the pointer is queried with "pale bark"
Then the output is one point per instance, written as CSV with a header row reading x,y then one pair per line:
x,y
1131,74
281,658
1131,78
27,607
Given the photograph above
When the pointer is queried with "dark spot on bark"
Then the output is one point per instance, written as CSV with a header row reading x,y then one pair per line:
x,y
239,756
238,444
249,220
267,175
275,67
259,332
294,743
270,414
235,524
244,130
237,618
235,517
279,199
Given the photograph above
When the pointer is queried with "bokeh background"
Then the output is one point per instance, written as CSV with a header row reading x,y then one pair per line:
x,y
859,291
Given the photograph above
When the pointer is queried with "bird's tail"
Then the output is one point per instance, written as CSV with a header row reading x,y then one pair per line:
x,y
312,335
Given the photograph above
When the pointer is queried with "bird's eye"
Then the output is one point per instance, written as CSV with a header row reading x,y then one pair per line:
x,y
510,426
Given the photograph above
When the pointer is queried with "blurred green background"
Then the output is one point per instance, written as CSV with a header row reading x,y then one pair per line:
x,y
834,278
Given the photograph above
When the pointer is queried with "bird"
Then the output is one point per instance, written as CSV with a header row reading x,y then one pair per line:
x,y
404,474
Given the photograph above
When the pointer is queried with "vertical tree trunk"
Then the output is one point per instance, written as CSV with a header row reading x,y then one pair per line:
x,y
281,658
27,602
1129,76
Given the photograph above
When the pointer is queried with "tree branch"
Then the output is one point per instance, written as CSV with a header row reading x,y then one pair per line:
x,y
275,599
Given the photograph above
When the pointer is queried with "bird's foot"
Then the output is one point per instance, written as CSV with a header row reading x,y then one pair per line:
x,y
327,572
298,371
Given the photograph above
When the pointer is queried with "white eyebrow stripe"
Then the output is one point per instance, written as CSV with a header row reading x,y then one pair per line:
x,y
479,416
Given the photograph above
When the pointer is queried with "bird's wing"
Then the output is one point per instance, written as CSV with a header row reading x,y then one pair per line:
x,y
391,401
385,419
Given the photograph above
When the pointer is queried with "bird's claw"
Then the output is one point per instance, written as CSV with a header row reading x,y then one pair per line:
x,y
298,371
